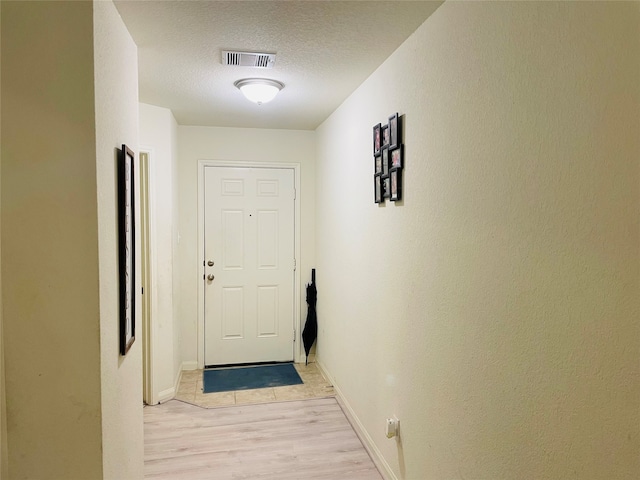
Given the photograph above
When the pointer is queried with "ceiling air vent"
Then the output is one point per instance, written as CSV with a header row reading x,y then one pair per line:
x,y
248,59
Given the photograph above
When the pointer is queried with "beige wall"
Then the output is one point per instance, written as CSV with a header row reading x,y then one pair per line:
x,y
73,404
158,132
495,310
116,98
4,453
4,464
234,144
3,410
51,307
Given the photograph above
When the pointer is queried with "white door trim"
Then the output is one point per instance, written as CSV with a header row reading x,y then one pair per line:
x,y
296,282
148,331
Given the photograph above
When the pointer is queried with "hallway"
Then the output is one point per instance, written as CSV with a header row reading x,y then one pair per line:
x,y
493,310
306,439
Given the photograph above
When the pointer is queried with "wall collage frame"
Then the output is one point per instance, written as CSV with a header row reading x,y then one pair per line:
x,y
388,155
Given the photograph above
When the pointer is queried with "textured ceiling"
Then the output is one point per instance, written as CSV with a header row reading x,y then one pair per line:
x,y
325,50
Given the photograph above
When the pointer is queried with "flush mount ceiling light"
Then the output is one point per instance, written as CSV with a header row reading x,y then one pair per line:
x,y
259,90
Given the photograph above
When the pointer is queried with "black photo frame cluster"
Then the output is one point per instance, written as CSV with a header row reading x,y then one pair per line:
x,y
388,155
126,250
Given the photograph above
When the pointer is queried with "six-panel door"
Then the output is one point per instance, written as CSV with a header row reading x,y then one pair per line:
x,y
249,265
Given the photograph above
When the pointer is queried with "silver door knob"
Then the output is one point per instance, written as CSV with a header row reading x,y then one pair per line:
x,y
210,263
210,277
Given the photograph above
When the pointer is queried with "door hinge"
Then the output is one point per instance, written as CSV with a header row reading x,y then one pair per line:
x,y
295,265
294,334
295,193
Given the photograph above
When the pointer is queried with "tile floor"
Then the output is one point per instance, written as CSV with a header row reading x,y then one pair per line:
x,y
314,386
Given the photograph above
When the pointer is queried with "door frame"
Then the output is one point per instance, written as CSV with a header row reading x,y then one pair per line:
x,y
297,317
149,300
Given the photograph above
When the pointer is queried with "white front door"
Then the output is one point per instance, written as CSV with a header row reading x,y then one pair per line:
x,y
249,265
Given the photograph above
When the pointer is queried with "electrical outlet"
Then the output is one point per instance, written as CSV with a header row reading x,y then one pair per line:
x,y
392,427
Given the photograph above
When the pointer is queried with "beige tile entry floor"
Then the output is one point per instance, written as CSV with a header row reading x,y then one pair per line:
x,y
314,386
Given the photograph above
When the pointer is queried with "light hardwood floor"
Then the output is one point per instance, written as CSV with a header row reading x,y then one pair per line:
x,y
296,440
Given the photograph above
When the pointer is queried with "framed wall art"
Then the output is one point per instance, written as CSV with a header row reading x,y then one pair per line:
x,y
126,248
388,154
385,160
394,132
377,136
396,157
378,189
378,161
395,180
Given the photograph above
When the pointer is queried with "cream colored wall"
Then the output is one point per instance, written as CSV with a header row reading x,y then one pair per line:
x,y
50,240
116,96
3,410
495,310
157,132
234,144
4,464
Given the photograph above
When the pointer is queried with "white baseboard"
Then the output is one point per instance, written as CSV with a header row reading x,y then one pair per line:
x,y
170,393
176,385
371,448
166,395
190,365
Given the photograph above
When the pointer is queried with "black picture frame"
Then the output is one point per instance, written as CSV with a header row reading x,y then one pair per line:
x,y
377,168
385,135
395,184
394,131
386,183
377,140
396,157
126,248
378,189
385,161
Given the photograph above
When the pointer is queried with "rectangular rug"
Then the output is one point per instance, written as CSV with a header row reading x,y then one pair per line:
x,y
248,378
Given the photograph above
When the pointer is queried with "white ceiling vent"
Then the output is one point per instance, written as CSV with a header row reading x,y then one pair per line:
x,y
248,59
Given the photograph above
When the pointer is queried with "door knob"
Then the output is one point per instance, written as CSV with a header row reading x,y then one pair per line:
x,y
210,277
210,263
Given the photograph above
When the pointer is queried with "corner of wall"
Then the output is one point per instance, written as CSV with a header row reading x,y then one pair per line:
x,y
50,300
175,265
158,130
116,114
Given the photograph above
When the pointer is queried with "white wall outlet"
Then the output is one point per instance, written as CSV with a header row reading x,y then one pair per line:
x,y
392,427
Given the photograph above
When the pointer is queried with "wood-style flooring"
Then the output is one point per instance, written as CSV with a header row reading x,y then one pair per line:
x,y
297,440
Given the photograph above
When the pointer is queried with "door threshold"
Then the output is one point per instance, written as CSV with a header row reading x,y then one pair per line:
x,y
251,364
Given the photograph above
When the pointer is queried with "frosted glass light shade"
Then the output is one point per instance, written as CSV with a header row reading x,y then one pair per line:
x,y
259,90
